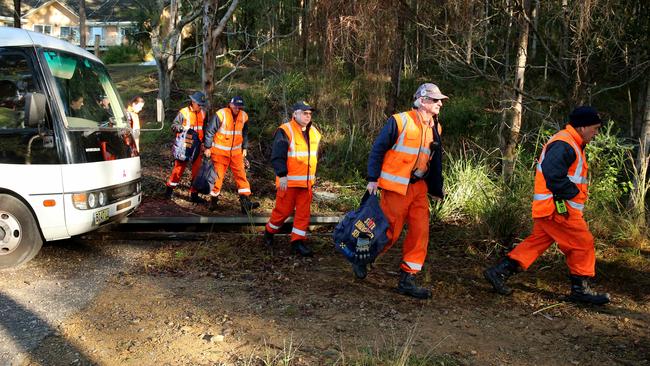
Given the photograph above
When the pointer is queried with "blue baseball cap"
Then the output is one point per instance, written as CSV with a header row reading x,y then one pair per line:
x,y
302,106
238,101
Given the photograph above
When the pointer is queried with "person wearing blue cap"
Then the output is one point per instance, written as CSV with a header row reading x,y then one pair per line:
x,y
561,189
189,118
226,142
294,158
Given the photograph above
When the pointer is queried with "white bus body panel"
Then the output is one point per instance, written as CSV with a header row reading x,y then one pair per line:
x,y
16,37
35,184
91,176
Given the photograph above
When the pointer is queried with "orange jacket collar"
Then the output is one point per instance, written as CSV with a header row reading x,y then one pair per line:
x,y
574,133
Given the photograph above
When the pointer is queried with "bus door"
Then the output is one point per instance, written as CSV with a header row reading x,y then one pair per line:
x,y
30,158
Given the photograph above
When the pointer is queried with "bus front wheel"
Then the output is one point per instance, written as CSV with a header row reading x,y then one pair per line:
x,y
20,239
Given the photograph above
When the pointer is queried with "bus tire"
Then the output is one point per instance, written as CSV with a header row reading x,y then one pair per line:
x,y
20,238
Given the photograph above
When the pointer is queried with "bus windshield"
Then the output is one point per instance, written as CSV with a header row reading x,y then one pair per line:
x,y
88,95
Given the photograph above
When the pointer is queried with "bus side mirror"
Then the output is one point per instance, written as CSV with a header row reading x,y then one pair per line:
x,y
160,111
34,109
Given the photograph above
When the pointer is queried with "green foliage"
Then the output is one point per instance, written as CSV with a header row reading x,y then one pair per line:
x,y
469,188
607,157
121,54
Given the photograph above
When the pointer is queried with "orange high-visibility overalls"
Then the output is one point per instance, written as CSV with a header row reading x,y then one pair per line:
x,y
193,120
403,201
227,151
569,231
302,158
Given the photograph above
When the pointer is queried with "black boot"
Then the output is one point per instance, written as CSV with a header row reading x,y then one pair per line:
x,y
498,274
268,239
169,191
247,205
214,203
407,286
299,246
360,270
195,198
580,292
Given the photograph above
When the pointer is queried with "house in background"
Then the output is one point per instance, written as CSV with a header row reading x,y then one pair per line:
x,y
111,20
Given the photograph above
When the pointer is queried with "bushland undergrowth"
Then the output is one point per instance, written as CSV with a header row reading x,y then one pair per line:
x,y
350,114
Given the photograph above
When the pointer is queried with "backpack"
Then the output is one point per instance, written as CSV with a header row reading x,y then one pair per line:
x,y
204,180
361,235
186,146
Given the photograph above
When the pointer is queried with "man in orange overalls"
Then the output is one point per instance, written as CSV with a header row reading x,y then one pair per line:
x,y
406,163
226,142
190,117
294,158
561,189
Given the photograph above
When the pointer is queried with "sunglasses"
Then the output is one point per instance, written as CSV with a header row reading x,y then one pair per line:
x,y
432,100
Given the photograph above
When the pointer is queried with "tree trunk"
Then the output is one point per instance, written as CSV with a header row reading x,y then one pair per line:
x,y
305,30
511,125
209,47
534,16
82,23
640,187
17,14
396,63
164,81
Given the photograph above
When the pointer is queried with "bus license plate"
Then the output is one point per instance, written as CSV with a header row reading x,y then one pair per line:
x,y
101,216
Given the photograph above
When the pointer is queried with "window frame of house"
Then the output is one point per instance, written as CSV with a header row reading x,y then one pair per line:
x,y
72,32
43,27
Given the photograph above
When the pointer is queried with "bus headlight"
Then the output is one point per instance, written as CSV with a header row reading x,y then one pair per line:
x,y
138,187
92,200
102,198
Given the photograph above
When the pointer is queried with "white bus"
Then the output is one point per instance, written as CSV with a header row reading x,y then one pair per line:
x,y
67,165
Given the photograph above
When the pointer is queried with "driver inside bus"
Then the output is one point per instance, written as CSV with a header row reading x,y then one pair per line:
x,y
76,104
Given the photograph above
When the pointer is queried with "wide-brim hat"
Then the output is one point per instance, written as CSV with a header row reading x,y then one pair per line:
x,y
198,98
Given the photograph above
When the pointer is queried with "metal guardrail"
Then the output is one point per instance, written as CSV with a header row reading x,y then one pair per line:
x,y
221,220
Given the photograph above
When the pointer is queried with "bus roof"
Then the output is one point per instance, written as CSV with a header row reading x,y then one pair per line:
x,y
20,37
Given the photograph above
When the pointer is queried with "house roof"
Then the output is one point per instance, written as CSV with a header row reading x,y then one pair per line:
x,y
96,10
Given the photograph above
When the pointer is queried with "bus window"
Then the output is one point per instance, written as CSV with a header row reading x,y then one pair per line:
x,y
20,144
89,98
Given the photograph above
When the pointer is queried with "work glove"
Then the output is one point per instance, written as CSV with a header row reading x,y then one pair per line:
x,y
284,183
207,152
247,164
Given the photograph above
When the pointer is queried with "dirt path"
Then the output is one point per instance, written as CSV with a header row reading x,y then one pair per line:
x,y
230,301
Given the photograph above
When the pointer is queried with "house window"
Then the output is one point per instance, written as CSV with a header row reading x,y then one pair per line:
x,y
68,32
94,31
43,28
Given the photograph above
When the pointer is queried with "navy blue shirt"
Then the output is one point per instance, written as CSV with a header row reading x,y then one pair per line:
x,y
558,158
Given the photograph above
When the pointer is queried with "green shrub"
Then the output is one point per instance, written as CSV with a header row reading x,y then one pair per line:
x,y
121,54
